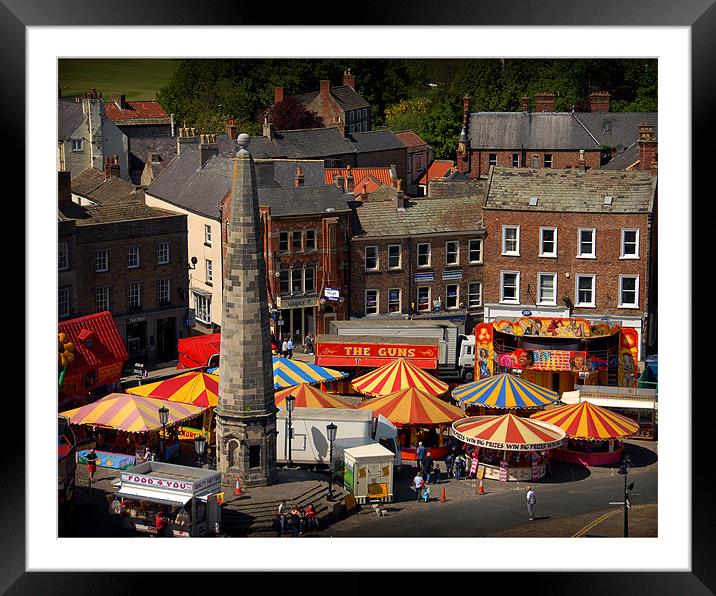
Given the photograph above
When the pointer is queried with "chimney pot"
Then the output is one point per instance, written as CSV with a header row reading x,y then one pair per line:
x,y
111,167
277,94
545,102
325,88
298,180
525,104
349,80
600,101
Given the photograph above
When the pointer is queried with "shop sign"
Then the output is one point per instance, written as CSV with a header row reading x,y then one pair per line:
x,y
300,302
452,274
427,276
182,486
503,471
137,319
377,350
377,491
187,433
332,293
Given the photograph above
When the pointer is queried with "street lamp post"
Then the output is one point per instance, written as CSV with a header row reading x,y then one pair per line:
x,y
200,448
163,418
624,470
290,404
331,430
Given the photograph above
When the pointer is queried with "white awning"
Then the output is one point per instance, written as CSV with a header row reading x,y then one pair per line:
x,y
163,497
569,398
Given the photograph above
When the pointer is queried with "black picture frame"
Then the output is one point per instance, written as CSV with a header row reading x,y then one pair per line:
x,y
699,15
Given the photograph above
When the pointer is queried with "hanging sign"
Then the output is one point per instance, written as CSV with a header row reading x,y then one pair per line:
x,y
332,294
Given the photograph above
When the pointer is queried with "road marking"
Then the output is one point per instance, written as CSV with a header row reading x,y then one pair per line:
x,y
603,517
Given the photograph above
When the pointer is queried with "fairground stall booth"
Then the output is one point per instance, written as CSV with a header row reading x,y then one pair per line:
x,y
594,434
639,404
419,417
561,354
199,351
187,498
364,468
507,447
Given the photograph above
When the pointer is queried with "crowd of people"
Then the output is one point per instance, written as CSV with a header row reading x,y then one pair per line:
x,y
284,347
296,521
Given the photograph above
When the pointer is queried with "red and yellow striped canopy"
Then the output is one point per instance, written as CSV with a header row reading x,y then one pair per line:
x,y
131,413
584,420
308,396
508,432
412,406
397,375
195,388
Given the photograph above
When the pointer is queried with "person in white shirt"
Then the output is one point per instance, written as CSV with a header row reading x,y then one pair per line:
x,y
289,348
531,500
284,348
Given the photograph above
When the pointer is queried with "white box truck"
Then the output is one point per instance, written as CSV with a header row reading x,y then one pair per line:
x,y
364,468
309,445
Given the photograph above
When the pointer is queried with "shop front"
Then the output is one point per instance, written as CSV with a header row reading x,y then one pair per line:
x,y
187,500
296,318
152,336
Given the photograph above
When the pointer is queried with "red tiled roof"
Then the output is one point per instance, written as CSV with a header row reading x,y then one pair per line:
x,y
135,110
367,185
382,175
410,138
105,345
437,169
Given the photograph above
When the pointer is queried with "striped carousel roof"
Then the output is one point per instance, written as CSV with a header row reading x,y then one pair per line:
x,y
504,391
287,373
586,421
131,413
412,406
399,374
308,396
195,388
508,432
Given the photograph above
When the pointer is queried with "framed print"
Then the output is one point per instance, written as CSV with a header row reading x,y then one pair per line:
x,y
678,560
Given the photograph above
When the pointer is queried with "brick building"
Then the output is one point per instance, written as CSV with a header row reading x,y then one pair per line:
x,y
128,259
563,243
419,155
418,257
545,138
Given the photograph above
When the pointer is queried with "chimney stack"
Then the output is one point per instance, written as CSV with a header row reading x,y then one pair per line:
x,y
268,129
545,102
119,101
64,189
525,104
393,176
339,181
325,88
277,94
364,192
232,131
350,182
582,162
208,148
111,167
647,148
600,101
399,200
298,180
349,80
466,111
187,136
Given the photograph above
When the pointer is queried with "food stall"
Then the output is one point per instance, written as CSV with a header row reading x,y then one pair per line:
x,y
364,468
188,498
509,448
594,434
419,416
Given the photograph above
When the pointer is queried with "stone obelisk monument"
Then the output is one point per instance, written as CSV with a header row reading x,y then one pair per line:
x,y
246,413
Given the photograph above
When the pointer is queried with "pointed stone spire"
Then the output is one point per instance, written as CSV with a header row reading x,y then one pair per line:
x,y
246,413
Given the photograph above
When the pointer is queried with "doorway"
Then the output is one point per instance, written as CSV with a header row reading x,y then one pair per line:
x,y
166,339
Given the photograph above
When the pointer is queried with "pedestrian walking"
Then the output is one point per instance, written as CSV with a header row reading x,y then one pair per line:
x,y
428,470
420,455
308,341
459,465
284,348
92,458
449,464
531,500
418,484
289,348
282,513
426,492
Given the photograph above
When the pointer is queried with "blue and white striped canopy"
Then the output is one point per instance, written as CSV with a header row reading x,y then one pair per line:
x,y
287,373
504,391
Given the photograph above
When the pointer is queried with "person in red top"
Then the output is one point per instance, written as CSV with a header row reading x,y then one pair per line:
x,y
160,523
311,517
92,458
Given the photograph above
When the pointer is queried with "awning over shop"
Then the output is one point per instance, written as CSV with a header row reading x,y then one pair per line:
x,y
148,494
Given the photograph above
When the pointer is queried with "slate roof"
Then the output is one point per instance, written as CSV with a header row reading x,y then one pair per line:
x,y
421,216
85,182
149,112
345,96
284,172
310,143
286,202
92,184
622,161
375,140
410,139
571,190
140,147
118,212
528,130
69,118
616,129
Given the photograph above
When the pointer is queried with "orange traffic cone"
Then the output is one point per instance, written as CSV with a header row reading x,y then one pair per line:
x,y
481,490
443,497
238,491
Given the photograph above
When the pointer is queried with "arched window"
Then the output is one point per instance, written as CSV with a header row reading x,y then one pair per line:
x,y
232,452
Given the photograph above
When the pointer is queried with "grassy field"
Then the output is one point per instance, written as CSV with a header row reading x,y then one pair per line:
x,y
136,78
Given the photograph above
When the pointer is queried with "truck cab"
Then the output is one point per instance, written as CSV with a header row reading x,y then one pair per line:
x,y
466,358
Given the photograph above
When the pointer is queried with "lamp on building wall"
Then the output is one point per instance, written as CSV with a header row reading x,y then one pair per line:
x,y
193,263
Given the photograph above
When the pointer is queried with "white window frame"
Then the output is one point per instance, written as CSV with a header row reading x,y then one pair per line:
x,y
417,253
400,300
164,286
551,160
456,251
635,304
63,256
577,278
162,248
77,145
209,268
376,256
132,250
516,165
586,255
64,296
377,301
457,296
516,299
622,253
510,253
202,308
108,299
470,293
470,250
207,234
417,298
540,298
98,258
542,230
400,257
131,295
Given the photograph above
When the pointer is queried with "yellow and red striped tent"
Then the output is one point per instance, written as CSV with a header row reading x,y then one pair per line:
x,y
195,388
586,421
397,375
308,396
412,406
508,432
131,413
